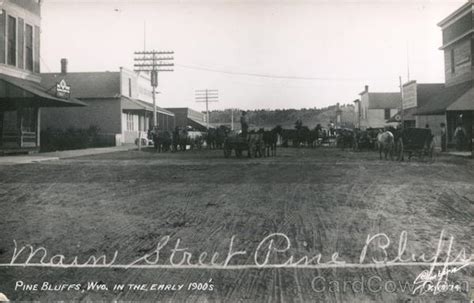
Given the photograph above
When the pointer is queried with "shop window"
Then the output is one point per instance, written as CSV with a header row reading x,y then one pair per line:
x,y
130,122
29,119
11,41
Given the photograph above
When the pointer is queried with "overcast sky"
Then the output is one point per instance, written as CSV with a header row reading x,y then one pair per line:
x,y
258,54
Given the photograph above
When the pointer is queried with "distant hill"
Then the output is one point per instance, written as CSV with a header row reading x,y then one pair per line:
x,y
285,117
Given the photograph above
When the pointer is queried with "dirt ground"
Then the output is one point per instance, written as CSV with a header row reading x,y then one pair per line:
x,y
324,200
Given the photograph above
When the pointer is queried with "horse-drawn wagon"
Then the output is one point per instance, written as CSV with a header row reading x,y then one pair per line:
x,y
415,142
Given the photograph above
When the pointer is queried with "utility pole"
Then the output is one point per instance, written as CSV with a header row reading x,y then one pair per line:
x,y
207,95
401,103
153,62
232,119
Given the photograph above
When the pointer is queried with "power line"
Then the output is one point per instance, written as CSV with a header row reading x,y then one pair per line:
x,y
193,67
153,62
207,95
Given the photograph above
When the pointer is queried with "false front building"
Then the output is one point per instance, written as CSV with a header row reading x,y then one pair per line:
x,y
373,110
454,105
118,104
21,95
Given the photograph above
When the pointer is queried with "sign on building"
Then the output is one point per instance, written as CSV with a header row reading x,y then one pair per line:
x,y
63,90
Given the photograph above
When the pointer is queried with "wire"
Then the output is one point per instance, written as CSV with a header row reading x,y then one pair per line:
x,y
193,67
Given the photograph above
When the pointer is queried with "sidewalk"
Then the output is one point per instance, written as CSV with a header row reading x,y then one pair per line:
x,y
50,156
461,154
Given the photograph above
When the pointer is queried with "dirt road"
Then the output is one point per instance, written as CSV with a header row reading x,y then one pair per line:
x,y
324,201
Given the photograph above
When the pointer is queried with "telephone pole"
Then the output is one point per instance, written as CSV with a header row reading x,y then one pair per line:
x,y
153,62
207,95
402,118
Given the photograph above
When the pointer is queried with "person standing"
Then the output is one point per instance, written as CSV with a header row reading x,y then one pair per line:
x,y
460,136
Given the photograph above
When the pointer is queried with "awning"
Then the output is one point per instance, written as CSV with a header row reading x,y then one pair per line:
x,y
17,89
465,102
197,124
439,103
135,104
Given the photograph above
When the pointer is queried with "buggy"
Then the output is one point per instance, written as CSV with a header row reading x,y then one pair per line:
x,y
415,142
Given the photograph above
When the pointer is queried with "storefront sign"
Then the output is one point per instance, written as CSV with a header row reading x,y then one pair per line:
x,y
63,90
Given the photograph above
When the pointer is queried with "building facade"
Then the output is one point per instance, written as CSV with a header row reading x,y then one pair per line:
x,y
187,117
21,95
374,110
454,105
119,104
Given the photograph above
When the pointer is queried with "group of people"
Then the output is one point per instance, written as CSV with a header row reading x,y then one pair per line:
x,y
460,136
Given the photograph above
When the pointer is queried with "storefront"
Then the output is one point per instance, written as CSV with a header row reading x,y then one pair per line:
x,y
20,105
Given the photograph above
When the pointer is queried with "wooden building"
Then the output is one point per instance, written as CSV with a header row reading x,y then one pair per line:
x,y
21,95
119,104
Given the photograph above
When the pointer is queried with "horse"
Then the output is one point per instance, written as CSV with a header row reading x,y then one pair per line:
x,y
270,139
162,140
386,143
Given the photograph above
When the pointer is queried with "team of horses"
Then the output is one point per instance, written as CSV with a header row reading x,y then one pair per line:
x,y
263,143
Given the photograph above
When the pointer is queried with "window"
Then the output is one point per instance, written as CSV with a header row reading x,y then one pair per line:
x,y
29,116
130,122
29,47
36,51
387,114
453,67
130,87
11,47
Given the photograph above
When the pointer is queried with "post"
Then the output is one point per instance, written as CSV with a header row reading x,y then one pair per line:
x,y
154,84
207,95
401,103
139,140
207,109
232,119
147,61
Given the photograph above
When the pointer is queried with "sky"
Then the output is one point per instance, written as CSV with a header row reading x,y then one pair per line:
x,y
259,54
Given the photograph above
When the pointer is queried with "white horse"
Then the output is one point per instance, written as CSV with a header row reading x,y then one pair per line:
x,y
386,143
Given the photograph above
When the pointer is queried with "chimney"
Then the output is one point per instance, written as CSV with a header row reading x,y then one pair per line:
x,y
366,88
63,66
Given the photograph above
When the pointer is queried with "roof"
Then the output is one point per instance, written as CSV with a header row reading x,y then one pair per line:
x,y
465,102
88,85
427,90
456,13
197,124
36,92
384,100
424,92
439,103
135,104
